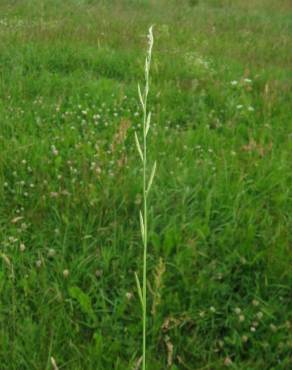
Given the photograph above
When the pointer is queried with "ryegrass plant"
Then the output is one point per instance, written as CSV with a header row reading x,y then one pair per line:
x,y
147,183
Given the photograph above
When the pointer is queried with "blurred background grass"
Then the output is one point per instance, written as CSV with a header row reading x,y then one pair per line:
x,y
219,265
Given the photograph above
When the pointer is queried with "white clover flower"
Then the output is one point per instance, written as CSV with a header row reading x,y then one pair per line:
x,y
244,338
241,318
38,263
51,252
260,315
234,83
54,150
129,295
66,273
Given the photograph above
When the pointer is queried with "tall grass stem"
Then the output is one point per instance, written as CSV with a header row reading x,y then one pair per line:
x,y
147,183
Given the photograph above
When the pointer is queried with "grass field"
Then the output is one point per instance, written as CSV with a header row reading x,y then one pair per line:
x,y
219,264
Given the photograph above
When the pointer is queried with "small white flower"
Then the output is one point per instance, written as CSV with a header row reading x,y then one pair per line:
x,y
250,109
129,295
66,273
22,247
38,263
241,318
239,106
234,83
260,315
51,252
244,338
54,150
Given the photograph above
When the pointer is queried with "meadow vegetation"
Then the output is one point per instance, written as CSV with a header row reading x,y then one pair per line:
x,y
219,263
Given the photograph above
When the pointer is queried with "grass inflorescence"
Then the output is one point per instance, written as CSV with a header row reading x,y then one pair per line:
x,y
147,184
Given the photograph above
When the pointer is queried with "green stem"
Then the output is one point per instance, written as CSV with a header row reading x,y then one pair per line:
x,y
145,236
145,190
